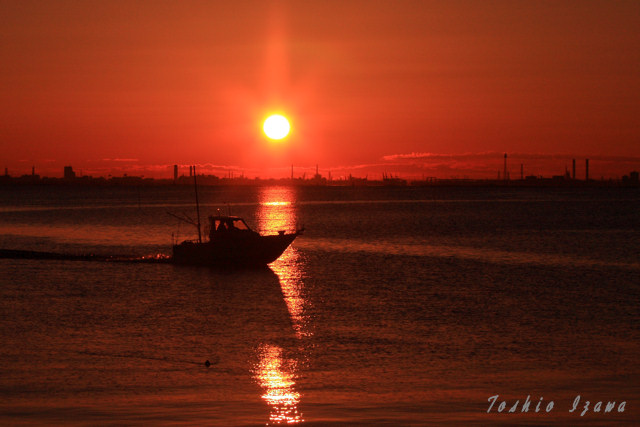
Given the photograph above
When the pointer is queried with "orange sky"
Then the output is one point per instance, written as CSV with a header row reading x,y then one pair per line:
x,y
415,88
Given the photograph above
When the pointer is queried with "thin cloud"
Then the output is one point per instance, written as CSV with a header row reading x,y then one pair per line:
x,y
499,155
419,155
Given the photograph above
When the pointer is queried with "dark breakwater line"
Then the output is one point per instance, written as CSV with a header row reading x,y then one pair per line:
x,y
21,254
140,356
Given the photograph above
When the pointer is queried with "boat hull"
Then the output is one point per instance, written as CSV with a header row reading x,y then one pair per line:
x,y
252,251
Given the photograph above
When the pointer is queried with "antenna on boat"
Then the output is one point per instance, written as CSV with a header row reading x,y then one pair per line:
x,y
195,184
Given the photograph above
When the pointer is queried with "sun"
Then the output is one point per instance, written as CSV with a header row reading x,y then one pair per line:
x,y
276,126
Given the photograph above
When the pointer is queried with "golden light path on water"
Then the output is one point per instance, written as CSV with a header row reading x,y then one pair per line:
x,y
276,375
277,212
275,372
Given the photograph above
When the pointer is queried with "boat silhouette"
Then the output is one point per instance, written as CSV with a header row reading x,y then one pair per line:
x,y
232,243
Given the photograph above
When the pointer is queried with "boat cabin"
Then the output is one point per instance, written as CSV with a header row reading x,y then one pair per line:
x,y
222,225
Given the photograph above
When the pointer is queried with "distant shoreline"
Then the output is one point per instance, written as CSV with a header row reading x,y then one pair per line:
x,y
214,181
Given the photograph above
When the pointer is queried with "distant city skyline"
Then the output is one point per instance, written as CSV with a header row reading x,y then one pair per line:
x,y
410,166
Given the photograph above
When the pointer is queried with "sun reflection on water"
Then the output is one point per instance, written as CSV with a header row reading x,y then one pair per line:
x,y
274,372
277,203
277,210
289,271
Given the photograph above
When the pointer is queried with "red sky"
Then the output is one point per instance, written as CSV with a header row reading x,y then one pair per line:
x,y
413,88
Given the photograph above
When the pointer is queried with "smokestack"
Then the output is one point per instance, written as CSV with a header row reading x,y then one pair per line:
x,y
316,170
573,175
175,173
521,171
291,172
586,170
33,171
6,171
505,166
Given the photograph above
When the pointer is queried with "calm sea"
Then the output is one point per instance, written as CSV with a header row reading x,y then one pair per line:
x,y
398,306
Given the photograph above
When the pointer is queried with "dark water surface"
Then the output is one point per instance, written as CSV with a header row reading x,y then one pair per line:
x,y
402,306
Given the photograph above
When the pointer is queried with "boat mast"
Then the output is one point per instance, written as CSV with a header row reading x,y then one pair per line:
x,y
195,184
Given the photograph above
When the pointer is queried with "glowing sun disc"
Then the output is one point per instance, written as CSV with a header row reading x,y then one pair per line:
x,y
276,127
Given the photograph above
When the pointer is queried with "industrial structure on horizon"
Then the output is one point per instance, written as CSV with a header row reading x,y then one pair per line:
x,y
317,179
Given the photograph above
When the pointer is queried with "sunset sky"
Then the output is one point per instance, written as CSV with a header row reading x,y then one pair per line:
x,y
415,88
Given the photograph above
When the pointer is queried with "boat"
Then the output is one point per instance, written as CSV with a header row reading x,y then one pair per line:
x,y
232,243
